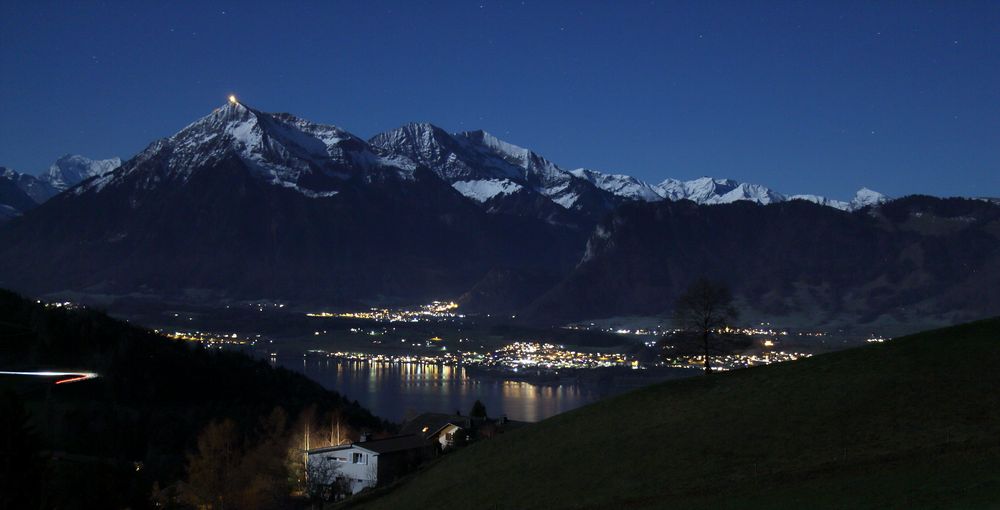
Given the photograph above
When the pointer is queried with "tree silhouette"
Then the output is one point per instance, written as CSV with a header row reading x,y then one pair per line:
x,y
703,308
478,410
212,470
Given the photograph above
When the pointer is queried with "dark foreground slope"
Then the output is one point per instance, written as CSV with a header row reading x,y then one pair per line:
x,y
914,423
102,443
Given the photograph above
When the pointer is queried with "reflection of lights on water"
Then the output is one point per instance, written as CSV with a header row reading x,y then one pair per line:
x,y
389,387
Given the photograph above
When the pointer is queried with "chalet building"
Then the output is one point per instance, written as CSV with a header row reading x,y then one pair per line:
x,y
368,463
453,430
443,430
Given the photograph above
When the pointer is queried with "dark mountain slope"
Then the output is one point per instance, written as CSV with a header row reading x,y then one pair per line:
x,y
908,258
252,205
13,199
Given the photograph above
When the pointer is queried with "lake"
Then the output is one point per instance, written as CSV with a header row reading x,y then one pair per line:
x,y
395,390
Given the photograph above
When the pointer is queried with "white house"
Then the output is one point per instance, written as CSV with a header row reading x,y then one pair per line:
x,y
368,463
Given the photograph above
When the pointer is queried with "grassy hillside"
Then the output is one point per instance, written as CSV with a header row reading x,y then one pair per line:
x,y
913,423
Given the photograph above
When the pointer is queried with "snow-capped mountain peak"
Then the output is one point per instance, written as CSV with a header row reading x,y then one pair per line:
x,y
865,197
514,154
535,167
538,173
451,157
280,148
70,170
262,137
620,185
478,164
828,202
707,189
751,192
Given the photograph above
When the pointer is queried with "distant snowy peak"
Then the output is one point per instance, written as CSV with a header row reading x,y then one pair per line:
x,y
705,190
70,170
623,186
865,197
671,189
708,190
711,191
828,202
753,193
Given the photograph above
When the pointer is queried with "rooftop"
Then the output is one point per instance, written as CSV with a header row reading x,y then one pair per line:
x,y
433,422
385,445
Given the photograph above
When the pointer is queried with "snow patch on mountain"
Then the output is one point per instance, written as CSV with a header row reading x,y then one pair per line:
x,y
485,189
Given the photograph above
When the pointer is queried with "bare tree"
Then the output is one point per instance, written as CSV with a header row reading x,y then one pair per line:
x,y
325,481
212,469
704,307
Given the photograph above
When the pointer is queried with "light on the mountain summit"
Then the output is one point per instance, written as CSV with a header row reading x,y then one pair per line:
x,y
232,98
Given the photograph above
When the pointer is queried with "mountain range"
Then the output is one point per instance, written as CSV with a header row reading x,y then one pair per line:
x,y
243,204
501,176
21,192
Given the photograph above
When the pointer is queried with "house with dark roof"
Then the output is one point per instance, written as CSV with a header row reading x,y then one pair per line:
x,y
443,430
368,463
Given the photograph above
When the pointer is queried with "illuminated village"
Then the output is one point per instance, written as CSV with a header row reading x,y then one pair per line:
x,y
436,310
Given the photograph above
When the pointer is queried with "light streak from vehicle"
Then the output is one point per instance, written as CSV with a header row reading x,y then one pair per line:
x,y
73,376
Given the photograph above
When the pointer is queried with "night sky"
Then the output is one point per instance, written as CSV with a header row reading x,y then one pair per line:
x,y
805,97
